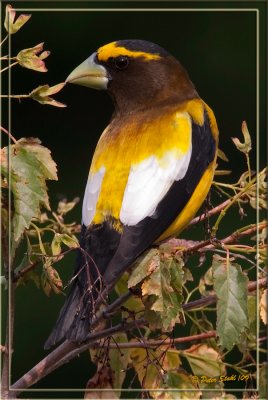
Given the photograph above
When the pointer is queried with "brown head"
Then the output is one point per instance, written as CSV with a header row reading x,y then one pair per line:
x,y
137,74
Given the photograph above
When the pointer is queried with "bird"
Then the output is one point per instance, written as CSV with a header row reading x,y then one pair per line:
x,y
152,169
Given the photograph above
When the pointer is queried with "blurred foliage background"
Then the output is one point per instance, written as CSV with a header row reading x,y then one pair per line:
x,y
218,49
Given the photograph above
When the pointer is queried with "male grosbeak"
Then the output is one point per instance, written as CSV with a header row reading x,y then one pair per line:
x,y
151,171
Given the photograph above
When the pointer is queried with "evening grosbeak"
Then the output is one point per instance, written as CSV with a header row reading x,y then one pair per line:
x,y
151,171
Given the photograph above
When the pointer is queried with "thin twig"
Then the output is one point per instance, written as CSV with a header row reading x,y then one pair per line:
x,y
8,133
208,214
4,69
7,355
156,343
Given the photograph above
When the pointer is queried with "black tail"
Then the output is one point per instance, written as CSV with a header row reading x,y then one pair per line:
x,y
71,324
98,245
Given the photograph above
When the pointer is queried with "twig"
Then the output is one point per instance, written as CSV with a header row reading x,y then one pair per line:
x,y
208,244
4,69
208,214
7,355
9,134
156,343
24,271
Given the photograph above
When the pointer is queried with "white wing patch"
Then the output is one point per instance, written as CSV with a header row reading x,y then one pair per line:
x,y
148,182
91,196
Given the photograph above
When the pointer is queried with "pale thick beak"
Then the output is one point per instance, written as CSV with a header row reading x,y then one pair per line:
x,y
89,74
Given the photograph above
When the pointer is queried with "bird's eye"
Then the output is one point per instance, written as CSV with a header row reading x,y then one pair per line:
x,y
121,62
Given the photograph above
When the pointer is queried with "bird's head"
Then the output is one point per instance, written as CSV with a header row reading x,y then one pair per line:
x,y
136,73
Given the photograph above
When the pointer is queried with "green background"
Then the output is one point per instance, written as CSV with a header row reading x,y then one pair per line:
x,y
218,50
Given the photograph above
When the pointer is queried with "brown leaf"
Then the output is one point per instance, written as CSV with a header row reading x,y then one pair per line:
x,y
103,379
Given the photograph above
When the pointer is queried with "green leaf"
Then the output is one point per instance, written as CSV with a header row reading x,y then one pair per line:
x,y
162,293
134,303
10,24
204,360
143,267
230,285
31,165
119,360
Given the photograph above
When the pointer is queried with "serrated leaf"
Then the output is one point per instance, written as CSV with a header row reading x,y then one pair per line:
x,y
163,293
230,285
263,307
31,165
143,267
204,360
10,24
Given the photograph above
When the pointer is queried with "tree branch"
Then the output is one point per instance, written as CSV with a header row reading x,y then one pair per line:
x,y
155,343
66,352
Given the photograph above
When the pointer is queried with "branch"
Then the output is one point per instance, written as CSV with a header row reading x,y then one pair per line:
x,y
7,354
155,343
209,213
8,133
66,352
210,243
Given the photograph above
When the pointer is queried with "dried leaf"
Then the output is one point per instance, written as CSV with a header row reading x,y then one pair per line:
x,y
162,292
64,207
10,24
246,146
42,93
180,381
31,59
103,379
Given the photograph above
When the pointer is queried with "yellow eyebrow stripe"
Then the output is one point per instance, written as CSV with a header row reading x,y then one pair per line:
x,y
112,50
